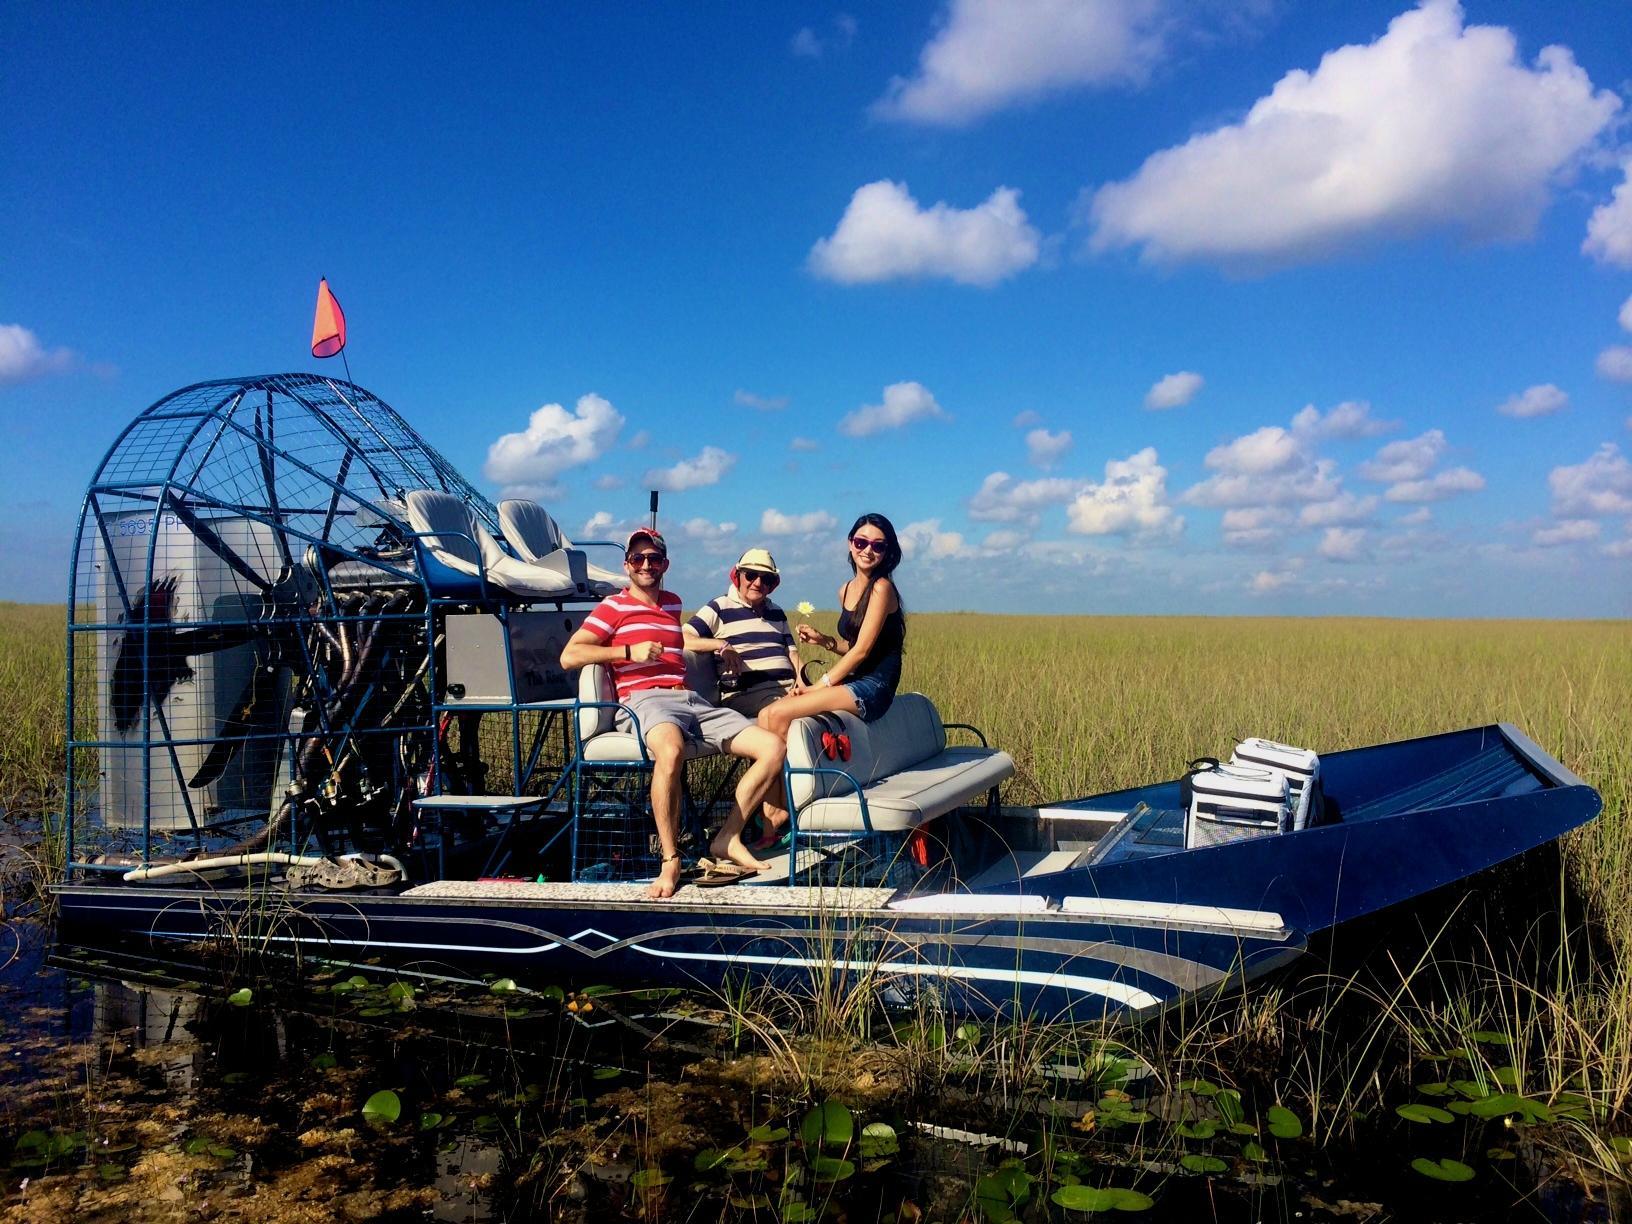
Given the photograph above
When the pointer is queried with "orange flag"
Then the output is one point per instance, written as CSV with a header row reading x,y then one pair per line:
x,y
329,324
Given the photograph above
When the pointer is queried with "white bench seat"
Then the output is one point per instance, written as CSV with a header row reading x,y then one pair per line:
x,y
907,773
622,746
905,800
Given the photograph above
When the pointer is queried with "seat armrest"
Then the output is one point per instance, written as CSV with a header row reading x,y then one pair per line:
x,y
979,734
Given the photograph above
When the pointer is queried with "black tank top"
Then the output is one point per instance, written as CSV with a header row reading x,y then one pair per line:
x,y
892,635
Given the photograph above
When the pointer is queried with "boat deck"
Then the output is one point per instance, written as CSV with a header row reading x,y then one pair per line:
x,y
744,895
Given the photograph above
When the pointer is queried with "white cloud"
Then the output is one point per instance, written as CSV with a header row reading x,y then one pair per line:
x,y
804,444
1609,229
1254,526
23,357
1001,499
1432,125
1601,485
1625,317
703,469
808,44
775,523
926,539
884,235
904,402
762,403
989,54
1437,487
1343,544
1615,363
1407,459
1350,419
1026,419
597,525
1266,582
553,441
639,441
1260,453
1002,540
1344,510
714,537
1045,449
1415,518
1174,390
1534,401
1131,501
606,483
1570,531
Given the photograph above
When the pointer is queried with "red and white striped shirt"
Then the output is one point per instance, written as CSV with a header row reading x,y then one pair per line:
x,y
622,620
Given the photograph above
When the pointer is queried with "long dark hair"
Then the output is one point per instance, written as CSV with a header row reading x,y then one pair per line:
x,y
892,544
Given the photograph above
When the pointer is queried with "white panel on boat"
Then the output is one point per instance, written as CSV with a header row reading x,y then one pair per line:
x,y
1095,815
973,903
1256,922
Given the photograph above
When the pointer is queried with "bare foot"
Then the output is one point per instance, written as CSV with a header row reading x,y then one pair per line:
x,y
668,880
738,854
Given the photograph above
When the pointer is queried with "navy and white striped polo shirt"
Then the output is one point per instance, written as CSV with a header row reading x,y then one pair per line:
x,y
760,636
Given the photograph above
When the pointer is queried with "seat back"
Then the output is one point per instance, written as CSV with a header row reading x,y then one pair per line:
x,y
449,528
910,732
529,529
595,684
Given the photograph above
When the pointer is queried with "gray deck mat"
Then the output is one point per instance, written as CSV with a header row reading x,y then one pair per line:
x,y
689,897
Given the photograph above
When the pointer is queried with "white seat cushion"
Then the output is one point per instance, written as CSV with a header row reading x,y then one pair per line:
x,y
909,732
905,800
529,529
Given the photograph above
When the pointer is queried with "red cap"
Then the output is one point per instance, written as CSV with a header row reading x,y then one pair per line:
x,y
647,533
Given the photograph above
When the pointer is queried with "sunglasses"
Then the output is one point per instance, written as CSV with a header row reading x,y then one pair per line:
x,y
650,560
768,581
877,547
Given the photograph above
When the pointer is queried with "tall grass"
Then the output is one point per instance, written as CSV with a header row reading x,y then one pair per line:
x,y
33,750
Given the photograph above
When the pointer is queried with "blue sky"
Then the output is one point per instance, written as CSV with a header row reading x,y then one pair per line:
x,y
1111,305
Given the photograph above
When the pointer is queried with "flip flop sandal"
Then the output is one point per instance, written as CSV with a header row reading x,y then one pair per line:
x,y
725,872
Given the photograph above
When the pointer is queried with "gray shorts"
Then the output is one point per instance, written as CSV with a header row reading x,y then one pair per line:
x,y
698,721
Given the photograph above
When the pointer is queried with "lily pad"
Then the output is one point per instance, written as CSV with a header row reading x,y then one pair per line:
x,y
242,997
877,1139
1108,1198
503,986
832,1169
1229,1105
1446,1170
1197,1163
1416,1112
1434,1089
1205,1129
768,1134
1254,1151
1200,1087
1283,1123
830,1124
470,1081
430,1120
383,1108
1488,1037
649,1180
1507,1077
324,1062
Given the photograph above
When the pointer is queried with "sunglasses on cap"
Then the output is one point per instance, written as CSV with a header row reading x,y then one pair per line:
x,y
877,547
768,581
650,560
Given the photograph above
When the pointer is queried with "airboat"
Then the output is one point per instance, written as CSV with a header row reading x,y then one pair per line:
x,y
316,708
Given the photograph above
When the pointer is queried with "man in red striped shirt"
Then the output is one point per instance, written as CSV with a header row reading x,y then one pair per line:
x,y
637,634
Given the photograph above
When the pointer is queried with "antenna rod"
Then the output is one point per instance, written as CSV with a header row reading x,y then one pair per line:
x,y
654,509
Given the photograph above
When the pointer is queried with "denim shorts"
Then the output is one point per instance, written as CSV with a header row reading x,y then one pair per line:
x,y
875,691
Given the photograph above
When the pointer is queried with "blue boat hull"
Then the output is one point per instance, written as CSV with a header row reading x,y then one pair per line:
x,y
1115,938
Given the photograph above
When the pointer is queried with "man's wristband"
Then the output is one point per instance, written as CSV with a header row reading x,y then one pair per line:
x,y
628,656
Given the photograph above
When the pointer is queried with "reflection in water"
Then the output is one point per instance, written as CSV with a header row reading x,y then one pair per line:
x,y
135,1089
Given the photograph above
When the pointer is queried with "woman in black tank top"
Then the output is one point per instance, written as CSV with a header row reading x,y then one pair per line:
x,y
871,637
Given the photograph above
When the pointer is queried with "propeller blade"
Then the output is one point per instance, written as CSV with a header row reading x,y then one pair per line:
x,y
207,537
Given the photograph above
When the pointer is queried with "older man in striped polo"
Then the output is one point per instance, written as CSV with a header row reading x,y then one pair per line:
x,y
637,634
750,636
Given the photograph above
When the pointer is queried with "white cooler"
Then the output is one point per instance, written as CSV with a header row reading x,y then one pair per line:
x,y
1300,766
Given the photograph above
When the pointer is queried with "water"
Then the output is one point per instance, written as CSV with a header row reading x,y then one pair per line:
x,y
134,1088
